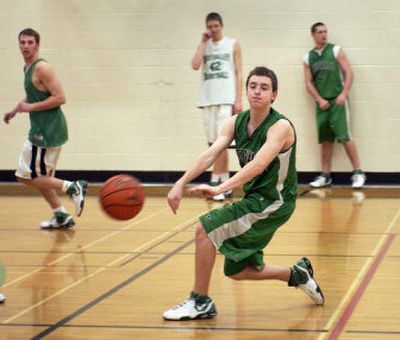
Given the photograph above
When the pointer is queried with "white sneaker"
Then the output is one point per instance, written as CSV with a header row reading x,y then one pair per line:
x,y
219,197
308,284
77,191
59,220
190,310
358,180
321,181
2,298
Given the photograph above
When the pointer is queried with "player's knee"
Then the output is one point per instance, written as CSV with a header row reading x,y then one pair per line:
x,y
200,232
237,276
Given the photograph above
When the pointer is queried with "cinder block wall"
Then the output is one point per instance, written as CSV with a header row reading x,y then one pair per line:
x,y
131,94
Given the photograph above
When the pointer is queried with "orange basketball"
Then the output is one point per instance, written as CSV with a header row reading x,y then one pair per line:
x,y
122,197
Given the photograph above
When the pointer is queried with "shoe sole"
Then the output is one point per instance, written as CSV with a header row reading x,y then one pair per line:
x,y
198,317
322,186
67,225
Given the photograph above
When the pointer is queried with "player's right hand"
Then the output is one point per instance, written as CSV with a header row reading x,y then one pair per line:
x,y
206,36
174,197
323,104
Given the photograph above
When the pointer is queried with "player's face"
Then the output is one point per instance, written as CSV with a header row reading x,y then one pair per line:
x,y
28,46
215,29
320,35
259,92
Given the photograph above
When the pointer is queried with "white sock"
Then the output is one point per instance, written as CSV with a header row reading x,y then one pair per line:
x,y
60,209
224,176
66,185
214,178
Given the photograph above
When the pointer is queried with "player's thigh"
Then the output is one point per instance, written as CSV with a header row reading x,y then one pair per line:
x,y
209,123
340,122
223,115
325,133
35,161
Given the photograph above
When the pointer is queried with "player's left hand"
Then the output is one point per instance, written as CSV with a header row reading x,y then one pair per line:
x,y
25,107
237,107
341,99
205,190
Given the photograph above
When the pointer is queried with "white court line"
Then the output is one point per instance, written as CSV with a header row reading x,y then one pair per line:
x,y
62,258
110,264
335,316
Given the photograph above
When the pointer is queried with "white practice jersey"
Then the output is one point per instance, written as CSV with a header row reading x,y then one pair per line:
x,y
218,80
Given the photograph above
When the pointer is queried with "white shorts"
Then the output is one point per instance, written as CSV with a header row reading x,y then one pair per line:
x,y
35,161
214,118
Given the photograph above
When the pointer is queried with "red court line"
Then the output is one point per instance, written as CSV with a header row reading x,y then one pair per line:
x,y
340,325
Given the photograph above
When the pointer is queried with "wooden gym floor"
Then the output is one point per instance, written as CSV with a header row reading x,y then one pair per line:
x,y
112,280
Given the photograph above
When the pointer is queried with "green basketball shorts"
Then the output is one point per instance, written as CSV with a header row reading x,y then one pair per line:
x,y
333,124
241,230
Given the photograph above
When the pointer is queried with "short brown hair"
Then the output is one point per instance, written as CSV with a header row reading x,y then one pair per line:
x,y
214,16
266,72
30,32
315,26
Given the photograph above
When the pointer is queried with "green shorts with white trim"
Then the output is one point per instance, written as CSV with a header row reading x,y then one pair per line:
x,y
241,230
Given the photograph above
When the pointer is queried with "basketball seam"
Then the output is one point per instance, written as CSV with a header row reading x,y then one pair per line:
x,y
116,191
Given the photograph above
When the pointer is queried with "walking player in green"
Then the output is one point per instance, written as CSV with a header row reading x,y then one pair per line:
x,y
325,68
266,148
48,132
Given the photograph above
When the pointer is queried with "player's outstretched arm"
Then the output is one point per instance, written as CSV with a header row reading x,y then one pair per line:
x,y
52,84
279,137
202,163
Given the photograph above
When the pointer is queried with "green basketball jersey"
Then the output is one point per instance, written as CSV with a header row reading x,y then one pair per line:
x,y
326,72
49,127
279,180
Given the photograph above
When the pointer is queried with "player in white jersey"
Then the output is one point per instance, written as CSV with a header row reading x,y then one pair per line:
x,y
220,60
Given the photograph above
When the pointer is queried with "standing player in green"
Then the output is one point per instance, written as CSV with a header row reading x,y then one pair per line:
x,y
325,68
266,148
48,132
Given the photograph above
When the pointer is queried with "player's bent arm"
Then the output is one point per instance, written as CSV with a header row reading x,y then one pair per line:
x,y
309,83
198,56
52,84
207,157
280,137
346,70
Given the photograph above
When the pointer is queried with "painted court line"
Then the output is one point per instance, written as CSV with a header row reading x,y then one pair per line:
x,y
178,228
340,325
366,271
115,289
62,258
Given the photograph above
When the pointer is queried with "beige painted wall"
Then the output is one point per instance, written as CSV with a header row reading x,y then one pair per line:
x,y
125,67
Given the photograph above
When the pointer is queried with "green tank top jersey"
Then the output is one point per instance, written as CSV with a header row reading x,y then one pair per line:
x,y
326,72
279,180
48,127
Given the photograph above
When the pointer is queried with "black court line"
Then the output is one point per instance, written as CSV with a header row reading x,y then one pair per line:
x,y
166,328
112,291
283,255
158,243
